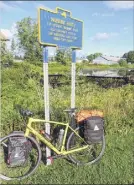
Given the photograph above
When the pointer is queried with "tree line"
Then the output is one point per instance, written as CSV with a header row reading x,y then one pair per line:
x,y
27,37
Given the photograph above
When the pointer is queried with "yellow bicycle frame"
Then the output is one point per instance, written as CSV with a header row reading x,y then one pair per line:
x,y
62,151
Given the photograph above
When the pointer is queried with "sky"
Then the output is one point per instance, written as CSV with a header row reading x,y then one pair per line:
x,y
108,25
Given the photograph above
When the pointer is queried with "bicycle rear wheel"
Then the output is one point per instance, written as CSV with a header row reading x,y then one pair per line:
x,y
18,172
90,155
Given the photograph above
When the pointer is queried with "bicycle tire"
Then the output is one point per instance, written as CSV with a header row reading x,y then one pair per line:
x,y
38,159
80,162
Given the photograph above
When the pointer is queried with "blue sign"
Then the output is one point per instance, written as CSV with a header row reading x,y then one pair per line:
x,y
59,29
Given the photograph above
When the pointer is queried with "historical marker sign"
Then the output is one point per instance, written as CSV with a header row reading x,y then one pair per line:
x,y
59,29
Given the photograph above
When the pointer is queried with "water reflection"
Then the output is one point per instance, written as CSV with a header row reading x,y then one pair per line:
x,y
107,73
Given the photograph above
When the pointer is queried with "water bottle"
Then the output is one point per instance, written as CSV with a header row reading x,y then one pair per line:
x,y
60,138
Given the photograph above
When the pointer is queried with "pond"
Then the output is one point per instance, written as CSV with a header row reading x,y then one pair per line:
x,y
107,73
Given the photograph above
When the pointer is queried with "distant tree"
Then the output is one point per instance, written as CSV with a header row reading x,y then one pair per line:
x,y
125,55
130,57
6,55
90,57
60,57
93,56
123,63
97,55
63,56
27,35
68,55
13,46
17,57
3,47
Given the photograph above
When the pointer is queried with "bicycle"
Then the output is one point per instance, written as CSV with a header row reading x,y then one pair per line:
x,y
74,147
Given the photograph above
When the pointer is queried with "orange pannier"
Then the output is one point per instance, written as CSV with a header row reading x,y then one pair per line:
x,y
84,114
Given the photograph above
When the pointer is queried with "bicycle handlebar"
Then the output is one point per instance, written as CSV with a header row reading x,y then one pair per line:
x,y
26,112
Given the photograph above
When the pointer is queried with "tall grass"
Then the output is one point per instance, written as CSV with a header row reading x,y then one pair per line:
x,y
20,85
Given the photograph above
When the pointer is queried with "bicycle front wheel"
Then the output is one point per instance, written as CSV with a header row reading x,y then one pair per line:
x,y
90,155
8,172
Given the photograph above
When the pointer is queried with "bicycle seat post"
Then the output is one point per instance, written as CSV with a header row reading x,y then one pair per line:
x,y
71,116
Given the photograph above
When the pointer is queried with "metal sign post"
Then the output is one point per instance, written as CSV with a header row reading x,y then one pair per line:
x,y
73,78
46,98
58,28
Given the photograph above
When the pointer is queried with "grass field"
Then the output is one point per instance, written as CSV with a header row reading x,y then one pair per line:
x,y
115,167
20,85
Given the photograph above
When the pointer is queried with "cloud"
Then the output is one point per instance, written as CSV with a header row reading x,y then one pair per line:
x,y
7,33
104,36
96,14
107,14
37,5
120,5
125,28
10,34
19,2
4,6
10,5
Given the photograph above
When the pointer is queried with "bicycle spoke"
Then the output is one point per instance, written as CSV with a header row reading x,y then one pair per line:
x,y
20,170
84,156
4,144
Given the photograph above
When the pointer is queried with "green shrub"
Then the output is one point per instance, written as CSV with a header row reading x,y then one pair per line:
x,y
7,59
20,85
123,63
